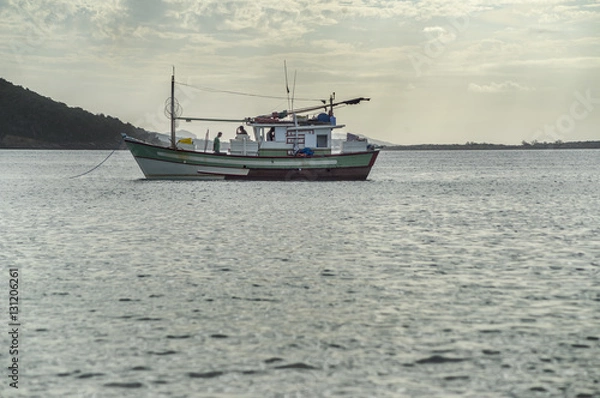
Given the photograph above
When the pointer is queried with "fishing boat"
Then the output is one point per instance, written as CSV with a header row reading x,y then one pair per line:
x,y
281,146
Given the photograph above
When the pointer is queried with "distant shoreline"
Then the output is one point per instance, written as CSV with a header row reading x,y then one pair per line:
x,y
484,146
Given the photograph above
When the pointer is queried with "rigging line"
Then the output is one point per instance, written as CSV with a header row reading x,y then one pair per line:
x,y
214,90
94,168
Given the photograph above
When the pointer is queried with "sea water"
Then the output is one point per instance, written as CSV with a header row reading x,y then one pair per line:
x,y
458,273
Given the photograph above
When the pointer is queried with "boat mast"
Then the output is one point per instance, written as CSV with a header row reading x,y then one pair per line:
x,y
172,110
296,145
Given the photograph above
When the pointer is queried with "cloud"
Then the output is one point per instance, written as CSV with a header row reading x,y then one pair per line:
x,y
439,34
357,47
493,88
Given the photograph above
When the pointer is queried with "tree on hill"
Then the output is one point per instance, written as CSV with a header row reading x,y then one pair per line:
x,y
29,120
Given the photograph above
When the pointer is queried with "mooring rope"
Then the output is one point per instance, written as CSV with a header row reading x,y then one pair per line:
x,y
94,168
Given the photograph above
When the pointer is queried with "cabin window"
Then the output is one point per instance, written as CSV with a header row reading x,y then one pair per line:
x,y
321,141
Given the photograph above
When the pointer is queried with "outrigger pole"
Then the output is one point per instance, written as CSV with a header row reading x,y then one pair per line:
x,y
325,105
331,105
206,119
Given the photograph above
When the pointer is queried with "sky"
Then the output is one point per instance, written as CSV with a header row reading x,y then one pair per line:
x,y
437,71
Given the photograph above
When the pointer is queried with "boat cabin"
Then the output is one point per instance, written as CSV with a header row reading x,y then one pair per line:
x,y
276,137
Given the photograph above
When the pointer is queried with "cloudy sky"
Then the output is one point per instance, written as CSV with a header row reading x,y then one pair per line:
x,y
438,71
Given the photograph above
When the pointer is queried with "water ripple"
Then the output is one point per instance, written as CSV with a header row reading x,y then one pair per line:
x,y
447,274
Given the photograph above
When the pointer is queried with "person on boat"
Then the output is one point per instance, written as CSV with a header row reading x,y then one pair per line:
x,y
217,143
241,130
271,134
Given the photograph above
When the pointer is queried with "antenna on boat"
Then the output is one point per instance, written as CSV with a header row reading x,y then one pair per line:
x,y
293,91
287,86
296,146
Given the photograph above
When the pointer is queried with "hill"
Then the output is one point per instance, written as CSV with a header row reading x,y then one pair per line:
x,y
29,120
